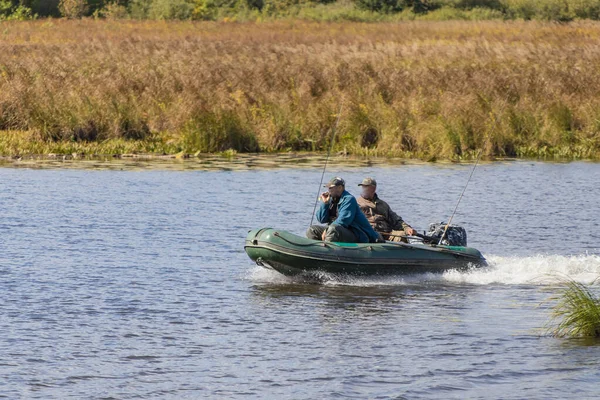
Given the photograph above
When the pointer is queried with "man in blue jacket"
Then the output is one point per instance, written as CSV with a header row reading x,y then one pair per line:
x,y
346,222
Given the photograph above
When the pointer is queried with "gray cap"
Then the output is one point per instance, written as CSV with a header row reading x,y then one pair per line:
x,y
335,181
368,182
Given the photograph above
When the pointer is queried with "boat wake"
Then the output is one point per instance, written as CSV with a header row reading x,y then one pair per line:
x,y
533,270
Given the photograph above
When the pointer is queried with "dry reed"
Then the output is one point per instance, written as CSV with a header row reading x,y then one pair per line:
x,y
413,89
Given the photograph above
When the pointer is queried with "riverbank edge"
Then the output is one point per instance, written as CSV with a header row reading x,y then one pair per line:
x,y
295,157
14,146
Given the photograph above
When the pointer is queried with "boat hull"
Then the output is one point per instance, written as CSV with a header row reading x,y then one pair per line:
x,y
292,255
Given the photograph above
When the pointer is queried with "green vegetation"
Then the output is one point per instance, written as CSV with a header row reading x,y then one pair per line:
x,y
19,144
577,312
418,89
323,10
14,11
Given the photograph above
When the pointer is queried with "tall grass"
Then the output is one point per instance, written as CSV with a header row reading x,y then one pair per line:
x,y
411,89
24,144
577,312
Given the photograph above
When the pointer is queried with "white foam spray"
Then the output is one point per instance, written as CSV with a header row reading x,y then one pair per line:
x,y
532,270
538,269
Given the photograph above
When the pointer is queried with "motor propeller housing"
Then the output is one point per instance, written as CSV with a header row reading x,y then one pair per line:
x,y
455,235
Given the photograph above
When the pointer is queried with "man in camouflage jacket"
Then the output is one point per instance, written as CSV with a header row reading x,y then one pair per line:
x,y
380,215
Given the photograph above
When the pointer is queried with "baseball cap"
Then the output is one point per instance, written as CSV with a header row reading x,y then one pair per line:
x,y
368,182
335,181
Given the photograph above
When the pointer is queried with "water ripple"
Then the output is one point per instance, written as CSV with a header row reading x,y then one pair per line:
x,y
134,284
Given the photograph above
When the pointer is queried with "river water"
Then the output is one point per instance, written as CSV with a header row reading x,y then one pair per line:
x,y
134,284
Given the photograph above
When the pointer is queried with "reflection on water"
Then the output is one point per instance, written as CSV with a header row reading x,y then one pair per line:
x,y
135,284
206,162
352,303
363,297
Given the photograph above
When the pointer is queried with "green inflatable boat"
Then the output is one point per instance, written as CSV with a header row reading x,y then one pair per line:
x,y
293,255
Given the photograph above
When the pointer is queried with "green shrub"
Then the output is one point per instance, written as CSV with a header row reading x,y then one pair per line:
x,y
583,9
6,8
162,9
384,6
340,12
139,9
452,14
45,8
112,10
73,9
523,9
14,12
552,10
170,9
213,9
470,4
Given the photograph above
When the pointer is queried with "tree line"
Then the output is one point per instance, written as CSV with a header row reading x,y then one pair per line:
x,y
552,10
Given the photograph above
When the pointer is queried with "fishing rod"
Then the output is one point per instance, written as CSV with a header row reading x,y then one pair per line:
x,y
326,159
473,170
460,198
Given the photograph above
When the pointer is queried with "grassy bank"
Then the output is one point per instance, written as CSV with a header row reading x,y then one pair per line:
x,y
414,89
17,144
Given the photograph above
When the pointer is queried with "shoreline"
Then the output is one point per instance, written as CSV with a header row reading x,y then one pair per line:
x,y
239,162
22,146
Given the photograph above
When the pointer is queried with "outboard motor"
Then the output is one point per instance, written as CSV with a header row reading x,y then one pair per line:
x,y
455,235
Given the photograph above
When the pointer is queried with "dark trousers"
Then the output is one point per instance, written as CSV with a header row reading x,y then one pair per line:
x,y
334,233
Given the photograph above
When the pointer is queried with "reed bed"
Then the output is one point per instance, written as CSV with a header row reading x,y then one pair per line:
x,y
413,89
576,312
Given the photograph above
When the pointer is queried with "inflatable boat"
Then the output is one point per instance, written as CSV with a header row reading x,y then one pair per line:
x,y
292,255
